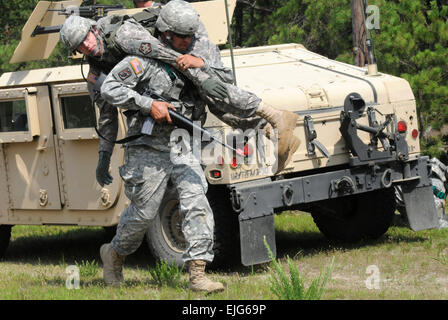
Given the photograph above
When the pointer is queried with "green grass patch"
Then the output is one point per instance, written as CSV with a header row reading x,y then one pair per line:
x,y
165,274
292,286
411,265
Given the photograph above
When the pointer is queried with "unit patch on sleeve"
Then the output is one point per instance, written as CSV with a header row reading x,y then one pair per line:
x,y
136,65
125,73
145,48
92,78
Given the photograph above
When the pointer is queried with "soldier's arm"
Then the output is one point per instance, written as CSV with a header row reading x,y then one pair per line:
x,y
209,52
119,87
107,125
108,119
134,39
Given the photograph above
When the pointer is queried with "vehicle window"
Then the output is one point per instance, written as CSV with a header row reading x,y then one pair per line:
x,y
78,112
13,116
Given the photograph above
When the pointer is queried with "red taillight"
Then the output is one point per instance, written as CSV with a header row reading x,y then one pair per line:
x,y
234,163
402,127
216,174
248,150
415,133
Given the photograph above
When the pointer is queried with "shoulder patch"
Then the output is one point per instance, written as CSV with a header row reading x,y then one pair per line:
x,y
145,48
92,78
125,73
136,65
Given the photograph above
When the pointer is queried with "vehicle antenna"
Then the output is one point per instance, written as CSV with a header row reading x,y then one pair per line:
x,y
230,41
372,68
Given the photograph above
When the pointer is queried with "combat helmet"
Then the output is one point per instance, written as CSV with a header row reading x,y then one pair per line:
x,y
74,31
179,17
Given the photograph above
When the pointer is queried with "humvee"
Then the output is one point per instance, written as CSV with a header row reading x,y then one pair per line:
x,y
359,139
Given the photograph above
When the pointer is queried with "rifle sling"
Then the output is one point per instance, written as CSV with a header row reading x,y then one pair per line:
x,y
121,141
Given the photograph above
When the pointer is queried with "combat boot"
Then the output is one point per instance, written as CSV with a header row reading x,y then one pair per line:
x,y
112,265
285,123
283,158
198,280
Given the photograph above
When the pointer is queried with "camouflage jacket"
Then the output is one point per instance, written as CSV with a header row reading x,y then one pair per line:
x,y
129,85
131,38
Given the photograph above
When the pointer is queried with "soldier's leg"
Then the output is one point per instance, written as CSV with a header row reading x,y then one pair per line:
x,y
145,175
198,224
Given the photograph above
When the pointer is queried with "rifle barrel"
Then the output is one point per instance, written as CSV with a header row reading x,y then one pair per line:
x,y
185,123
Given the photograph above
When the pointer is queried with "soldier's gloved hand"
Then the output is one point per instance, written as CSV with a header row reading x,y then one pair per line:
x,y
215,88
102,170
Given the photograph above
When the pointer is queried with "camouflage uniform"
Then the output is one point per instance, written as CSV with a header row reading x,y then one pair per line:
x,y
138,41
148,166
131,38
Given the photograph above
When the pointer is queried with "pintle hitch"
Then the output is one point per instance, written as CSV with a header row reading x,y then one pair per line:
x,y
394,145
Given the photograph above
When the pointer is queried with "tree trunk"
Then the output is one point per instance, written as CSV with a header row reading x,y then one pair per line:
x,y
359,34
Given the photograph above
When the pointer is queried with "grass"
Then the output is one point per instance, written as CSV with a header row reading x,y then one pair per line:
x,y
165,274
292,286
411,265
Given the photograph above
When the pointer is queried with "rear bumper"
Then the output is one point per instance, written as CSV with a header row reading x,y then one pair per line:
x,y
256,201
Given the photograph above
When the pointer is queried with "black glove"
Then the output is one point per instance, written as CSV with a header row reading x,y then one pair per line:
x,y
102,170
215,88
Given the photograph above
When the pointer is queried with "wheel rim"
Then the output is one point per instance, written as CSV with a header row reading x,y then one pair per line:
x,y
172,226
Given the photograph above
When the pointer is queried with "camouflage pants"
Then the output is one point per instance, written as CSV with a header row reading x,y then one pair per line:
x,y
146,173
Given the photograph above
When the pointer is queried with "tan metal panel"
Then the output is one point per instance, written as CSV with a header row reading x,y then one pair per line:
x,y
4,192
78,157
41,76
212,14
31,168
40,46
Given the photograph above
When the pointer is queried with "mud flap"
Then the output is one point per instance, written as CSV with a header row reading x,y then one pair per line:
x,y
252,234
420,207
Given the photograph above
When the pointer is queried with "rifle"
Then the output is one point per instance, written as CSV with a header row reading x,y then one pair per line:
x,y
177,119
185,123
94,12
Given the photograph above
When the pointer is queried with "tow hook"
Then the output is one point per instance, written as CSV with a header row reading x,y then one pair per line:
x,y
345,185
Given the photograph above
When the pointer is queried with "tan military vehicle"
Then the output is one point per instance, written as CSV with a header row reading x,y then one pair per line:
x,y
359,139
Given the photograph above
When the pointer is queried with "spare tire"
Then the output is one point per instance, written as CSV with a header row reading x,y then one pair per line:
x,y
362,216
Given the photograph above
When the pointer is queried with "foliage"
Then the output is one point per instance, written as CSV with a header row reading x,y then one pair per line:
x,y
87,269
293,287
433,147
411,43
166,274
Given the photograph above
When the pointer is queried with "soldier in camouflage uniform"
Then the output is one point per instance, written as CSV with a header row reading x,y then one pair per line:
x,y
114,38
150,163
